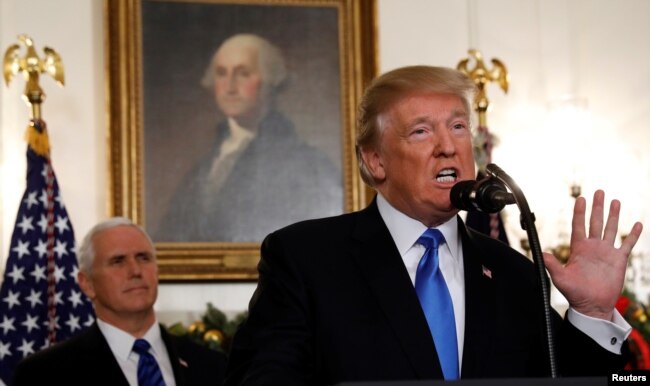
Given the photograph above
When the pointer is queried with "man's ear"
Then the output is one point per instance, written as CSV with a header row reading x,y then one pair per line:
x,y
86,285
375,164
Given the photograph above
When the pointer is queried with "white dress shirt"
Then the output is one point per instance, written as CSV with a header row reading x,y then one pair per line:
x,y
121,344
405,232
229,153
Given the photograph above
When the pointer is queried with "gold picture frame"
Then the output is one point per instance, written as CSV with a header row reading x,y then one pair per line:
x,y
128,115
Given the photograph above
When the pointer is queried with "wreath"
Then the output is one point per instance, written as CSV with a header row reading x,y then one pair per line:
x,y
214,330
636,315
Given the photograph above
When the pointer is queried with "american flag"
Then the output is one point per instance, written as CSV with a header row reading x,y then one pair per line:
x,y
40,300
486,272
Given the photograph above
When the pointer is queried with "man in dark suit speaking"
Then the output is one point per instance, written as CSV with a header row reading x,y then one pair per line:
x,y
402,289
126,346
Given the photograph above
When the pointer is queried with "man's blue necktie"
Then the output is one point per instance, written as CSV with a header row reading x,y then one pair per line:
x,y
436,303
148,370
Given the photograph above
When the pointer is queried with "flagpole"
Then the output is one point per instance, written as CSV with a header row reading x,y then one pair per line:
x,y
40,300
483,141
32,66
482,77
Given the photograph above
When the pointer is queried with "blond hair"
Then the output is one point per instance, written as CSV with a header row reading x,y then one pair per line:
x,y
389,88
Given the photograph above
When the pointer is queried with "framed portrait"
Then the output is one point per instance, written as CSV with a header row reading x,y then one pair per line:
x,y
231,119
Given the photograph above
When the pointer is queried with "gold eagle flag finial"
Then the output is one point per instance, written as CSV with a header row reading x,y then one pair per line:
x,y
483,139
31,66
482,76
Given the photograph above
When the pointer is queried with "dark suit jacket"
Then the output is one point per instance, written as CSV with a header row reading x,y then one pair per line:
x,y
278,179
87,359
335,303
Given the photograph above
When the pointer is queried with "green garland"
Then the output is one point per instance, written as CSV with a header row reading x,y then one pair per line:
x,y
214,330
635,312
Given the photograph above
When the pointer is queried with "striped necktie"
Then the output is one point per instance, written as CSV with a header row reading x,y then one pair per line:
x,y
148,370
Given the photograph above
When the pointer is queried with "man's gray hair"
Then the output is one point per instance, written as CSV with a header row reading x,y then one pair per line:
x,y
270,60
86,251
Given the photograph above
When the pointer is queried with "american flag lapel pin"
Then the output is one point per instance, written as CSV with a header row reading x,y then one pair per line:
x,y
182,362
486,272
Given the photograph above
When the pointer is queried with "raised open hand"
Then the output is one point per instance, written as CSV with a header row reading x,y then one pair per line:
x,y
593,276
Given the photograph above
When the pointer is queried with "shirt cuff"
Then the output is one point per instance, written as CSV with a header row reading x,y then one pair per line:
x,y
610,335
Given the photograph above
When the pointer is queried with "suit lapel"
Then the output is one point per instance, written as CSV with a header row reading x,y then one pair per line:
x,y
178,364
102,360
383,268
479,302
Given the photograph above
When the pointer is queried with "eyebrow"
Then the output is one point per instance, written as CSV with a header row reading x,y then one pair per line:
x,y
426,118
418,120
116,256
123,255
459,114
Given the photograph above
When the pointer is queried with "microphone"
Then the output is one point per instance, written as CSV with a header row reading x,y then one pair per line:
x,y
488,195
